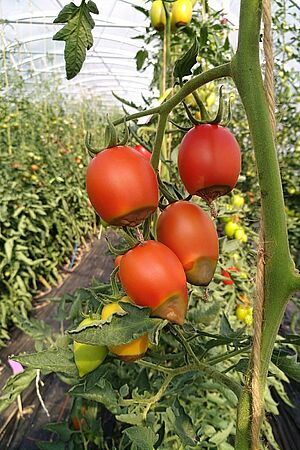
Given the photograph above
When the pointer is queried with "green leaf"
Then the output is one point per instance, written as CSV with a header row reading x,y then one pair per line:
x,y
14,386
8,247
143,438
76,34
61,429
289,365
222,435
140,58
118,329
203,36
225,327
184,65
183,425
242,366
58,360
131,418
96,387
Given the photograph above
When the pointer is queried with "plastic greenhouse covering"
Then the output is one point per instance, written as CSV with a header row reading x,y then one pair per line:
x,y
27,28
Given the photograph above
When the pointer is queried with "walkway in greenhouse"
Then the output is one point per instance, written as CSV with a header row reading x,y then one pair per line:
x,y
23,432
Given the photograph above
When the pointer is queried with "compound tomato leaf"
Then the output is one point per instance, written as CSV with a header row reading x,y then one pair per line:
x,y
142,438
58,360
289,365
76,34
119,329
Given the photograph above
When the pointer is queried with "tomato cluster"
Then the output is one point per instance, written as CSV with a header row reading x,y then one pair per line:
x,y
123,188
180,14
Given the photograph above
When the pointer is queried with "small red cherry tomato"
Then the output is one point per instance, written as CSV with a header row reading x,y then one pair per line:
x,y
153,276
143,151
209,161
226,274
190,233
122,186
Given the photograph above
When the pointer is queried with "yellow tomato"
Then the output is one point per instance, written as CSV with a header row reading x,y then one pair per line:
x,y
181,13
158,15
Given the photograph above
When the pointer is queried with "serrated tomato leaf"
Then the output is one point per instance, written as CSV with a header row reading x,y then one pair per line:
x,y
76,34
142,438
14,386
120,329
58,360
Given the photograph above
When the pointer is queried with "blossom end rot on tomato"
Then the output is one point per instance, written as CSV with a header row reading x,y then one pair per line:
x,y
202,272
122,186
189,232
158,15
174,310
181,13
209,161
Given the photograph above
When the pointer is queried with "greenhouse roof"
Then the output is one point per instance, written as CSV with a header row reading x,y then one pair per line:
x,y
27,29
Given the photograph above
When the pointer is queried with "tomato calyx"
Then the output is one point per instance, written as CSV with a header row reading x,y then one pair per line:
x,y
111,138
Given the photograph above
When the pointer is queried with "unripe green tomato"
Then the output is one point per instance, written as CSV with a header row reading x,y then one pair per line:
x,y
230,228
291,190
240,235
158,15
88,357
237,201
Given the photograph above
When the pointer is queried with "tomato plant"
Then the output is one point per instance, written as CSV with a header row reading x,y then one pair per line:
x,y
153,276
122,186
190,233
209,161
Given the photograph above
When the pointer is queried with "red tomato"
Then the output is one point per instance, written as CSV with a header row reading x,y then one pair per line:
x,y
190,233
143,151
226,274
122,186
209,161
153,276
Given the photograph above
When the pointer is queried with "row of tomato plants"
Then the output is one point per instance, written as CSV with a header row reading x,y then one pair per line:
x,y
45,215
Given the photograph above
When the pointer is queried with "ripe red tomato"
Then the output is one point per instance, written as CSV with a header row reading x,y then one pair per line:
x,y
209,161
153,276
122,186
190,233
226,274
143,151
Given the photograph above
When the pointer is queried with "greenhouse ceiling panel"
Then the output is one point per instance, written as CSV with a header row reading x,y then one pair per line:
x,y
27,29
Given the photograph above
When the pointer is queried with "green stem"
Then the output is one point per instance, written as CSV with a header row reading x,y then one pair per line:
x,y
197,367
229,355
280,276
